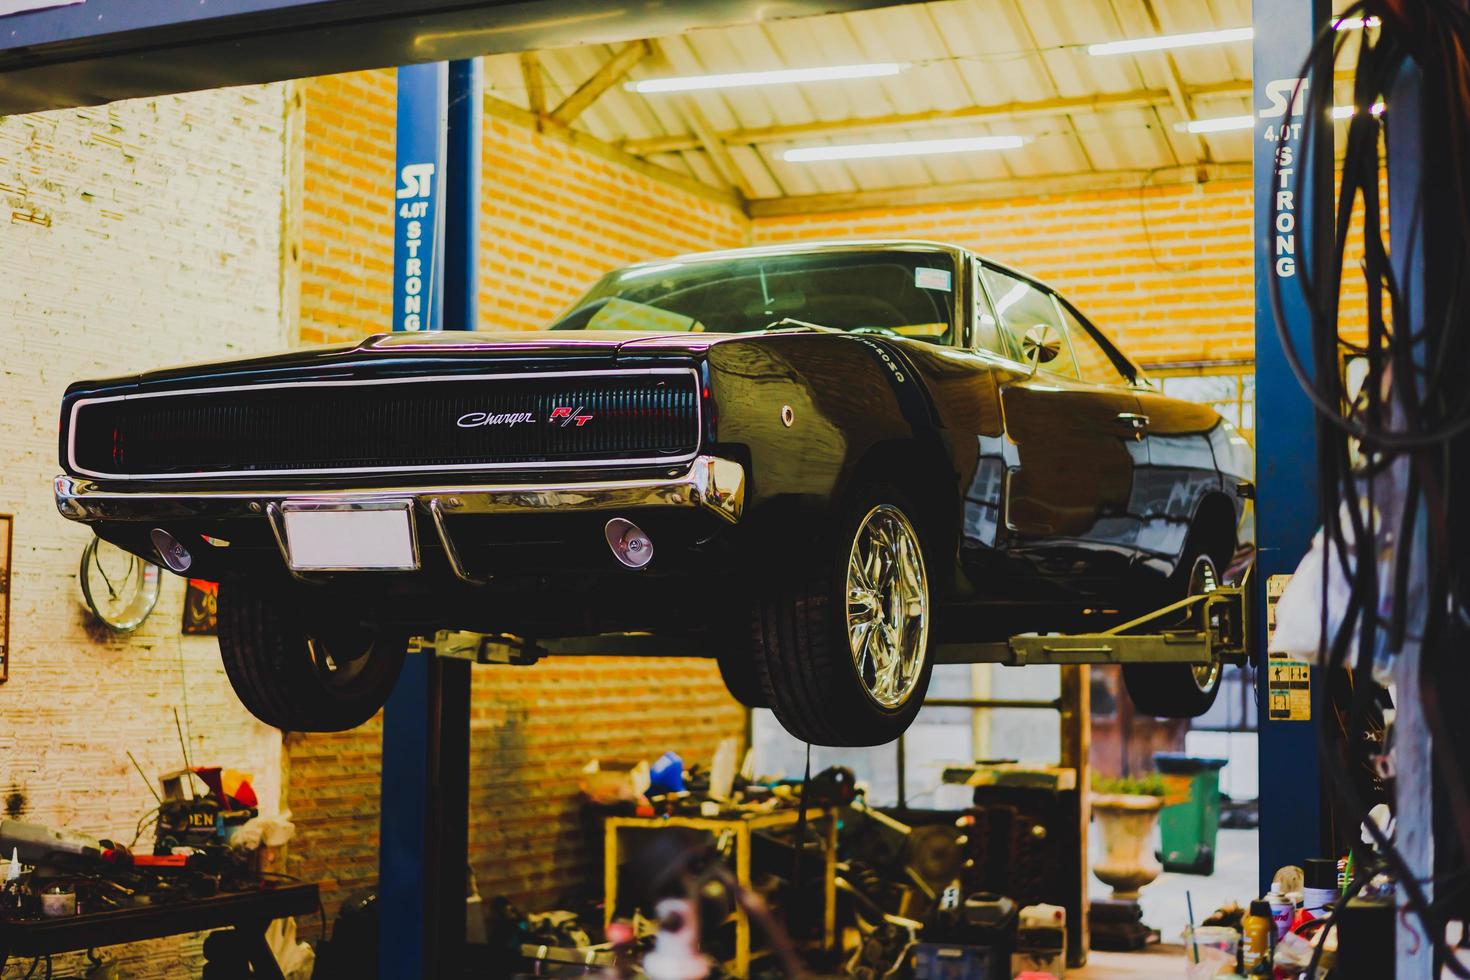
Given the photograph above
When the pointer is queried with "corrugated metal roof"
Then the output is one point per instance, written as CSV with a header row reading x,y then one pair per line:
x,y
964,55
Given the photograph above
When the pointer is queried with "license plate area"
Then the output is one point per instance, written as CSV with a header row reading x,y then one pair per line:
x,y
350,536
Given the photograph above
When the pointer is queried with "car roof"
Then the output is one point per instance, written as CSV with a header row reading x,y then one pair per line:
x,y
844,245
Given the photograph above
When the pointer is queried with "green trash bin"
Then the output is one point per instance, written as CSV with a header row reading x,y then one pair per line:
x,y
1191,814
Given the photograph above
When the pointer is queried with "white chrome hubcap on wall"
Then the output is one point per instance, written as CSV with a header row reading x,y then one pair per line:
x,y
887,606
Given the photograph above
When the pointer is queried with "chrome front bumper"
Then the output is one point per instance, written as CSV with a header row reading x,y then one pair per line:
x,y
709,483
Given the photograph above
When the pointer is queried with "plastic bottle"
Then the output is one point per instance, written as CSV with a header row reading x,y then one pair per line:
x,y
1255,940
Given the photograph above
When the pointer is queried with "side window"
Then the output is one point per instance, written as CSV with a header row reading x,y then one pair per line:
x,y
1022,306
986,331
1092,359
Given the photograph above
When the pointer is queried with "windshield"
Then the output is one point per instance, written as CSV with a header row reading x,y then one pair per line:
x,y
892,292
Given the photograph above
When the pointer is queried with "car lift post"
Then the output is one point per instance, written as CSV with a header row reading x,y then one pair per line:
x,y
423,844
1291,828
1421,169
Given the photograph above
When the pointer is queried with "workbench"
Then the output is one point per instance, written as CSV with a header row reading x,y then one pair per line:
x,y
249,913
741,826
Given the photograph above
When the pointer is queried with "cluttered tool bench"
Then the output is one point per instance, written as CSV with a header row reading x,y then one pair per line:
x,y
248,913
214,864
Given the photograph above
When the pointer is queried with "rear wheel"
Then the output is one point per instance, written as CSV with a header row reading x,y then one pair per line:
x,y
843,657
738,672
1180,690
317,677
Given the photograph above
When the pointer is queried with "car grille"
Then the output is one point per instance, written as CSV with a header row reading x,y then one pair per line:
x,y
430,424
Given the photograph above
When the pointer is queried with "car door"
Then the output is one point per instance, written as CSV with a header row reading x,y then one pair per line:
x,y
1078,437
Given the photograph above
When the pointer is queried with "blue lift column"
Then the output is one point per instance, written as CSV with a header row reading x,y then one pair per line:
x,y
1286,428
426,725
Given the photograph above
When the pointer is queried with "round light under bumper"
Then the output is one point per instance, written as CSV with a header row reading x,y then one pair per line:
x,y
171,551
629,543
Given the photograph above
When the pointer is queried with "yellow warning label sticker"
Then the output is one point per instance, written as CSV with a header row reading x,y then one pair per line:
x,y
1288,690
1275,588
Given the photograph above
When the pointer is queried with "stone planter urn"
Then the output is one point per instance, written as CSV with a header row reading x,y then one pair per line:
x,y
1127,824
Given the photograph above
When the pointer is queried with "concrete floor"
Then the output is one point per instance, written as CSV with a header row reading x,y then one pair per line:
x,y
1164,909
1234,880
1155,961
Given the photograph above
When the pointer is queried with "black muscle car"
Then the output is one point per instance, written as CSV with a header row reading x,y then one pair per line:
x,y
814,463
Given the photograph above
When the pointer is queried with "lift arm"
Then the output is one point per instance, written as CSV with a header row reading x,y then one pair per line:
x,y
1201,629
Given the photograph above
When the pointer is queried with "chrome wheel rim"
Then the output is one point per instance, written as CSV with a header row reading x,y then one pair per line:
x,y
1203,579
887,606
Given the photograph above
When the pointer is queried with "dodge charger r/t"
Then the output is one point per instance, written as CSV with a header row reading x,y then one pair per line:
x,y
814,463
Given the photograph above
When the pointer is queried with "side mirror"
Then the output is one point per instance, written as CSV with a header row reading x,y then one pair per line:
x,y
1041,345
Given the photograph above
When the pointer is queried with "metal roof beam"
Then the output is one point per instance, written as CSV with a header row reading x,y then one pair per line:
x,y
1175,83
73,54
587,143
705,137
614,70
535,84
1011,110
982,190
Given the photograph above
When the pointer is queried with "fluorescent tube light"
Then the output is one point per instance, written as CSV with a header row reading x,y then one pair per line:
x,y
1220,124
1225,124
780,76
906,148
1164,42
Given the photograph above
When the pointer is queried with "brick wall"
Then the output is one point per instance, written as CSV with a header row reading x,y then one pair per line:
x,y
134,235
1166,272
553,219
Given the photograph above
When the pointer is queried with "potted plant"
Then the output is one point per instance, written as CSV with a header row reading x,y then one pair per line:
x,y
1127,809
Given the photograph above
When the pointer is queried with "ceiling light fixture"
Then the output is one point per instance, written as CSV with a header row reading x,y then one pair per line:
x,y
1164,42
1220,124
780,76
906,148
1226,124
1194,39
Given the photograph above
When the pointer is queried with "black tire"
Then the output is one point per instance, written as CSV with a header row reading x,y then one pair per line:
x,y
1182,690
299,678
737,670
799,640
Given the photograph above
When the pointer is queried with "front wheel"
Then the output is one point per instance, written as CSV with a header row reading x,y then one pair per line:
x,y
300,677
1179,690
843,658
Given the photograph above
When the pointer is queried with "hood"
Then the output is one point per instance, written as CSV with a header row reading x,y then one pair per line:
x,y
532,342
408,354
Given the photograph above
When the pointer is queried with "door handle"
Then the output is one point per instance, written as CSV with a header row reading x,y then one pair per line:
x,y
1138,423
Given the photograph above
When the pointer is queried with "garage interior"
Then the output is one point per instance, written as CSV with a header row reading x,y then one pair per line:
x,y
223,184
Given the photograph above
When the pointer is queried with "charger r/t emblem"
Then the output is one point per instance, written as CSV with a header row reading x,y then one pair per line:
x,y
566,416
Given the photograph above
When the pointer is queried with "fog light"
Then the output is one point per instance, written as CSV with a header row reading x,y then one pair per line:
x,y
629,544
171,550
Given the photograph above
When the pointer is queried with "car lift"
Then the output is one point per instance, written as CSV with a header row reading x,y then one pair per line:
x,y
1211,627
1201,629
